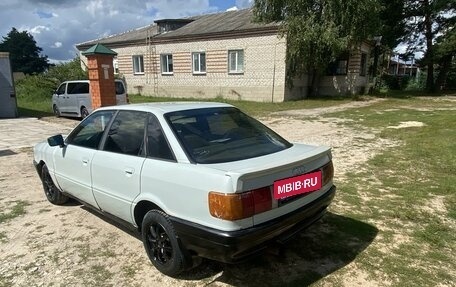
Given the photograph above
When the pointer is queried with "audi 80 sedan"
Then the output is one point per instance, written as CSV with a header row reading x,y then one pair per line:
x,y
195,179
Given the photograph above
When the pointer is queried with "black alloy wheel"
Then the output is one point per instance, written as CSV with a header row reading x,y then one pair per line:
x,y
53,194
162,246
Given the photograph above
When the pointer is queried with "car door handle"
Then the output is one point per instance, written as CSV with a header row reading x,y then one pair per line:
x,y
129,171
85,161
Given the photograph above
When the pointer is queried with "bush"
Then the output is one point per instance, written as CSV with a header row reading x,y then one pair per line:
x,y
395,82
67,72
34,92
417,84
41,86
35,87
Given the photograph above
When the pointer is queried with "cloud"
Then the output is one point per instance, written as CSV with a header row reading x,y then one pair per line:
x,y
57,25
241,4
57,45
34,30
44,15
234,8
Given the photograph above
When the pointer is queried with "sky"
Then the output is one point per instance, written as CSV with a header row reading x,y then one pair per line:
x,y
58,25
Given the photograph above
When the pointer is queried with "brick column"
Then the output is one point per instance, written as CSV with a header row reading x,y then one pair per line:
x,y
101,76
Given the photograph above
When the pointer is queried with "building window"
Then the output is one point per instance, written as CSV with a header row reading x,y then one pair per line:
x,y
138,64
339,66
236,61
199,63
166,63
363,67
115,64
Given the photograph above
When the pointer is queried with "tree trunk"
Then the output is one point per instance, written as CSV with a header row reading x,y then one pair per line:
x,y
429,46
445,65
315,83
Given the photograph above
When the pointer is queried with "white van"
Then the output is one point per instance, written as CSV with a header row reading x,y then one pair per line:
x,y
73,99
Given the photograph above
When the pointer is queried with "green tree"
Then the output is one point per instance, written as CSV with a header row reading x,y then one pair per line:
x,y
318,31
393,22
425,21
67,71
445,57
25,55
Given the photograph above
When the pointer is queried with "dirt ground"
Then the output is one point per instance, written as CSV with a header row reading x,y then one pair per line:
x,y
72,246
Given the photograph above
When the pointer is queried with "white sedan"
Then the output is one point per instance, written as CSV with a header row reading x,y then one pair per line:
x,y
196,179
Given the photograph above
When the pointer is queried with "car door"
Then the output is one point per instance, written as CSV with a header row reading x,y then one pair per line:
x,y
73,162
59,97
71,99
116,169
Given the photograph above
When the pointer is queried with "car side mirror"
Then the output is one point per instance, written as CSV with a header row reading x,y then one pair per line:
x,y
56,140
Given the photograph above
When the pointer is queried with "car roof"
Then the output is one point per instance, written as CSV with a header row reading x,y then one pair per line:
x,y
87,81
166,107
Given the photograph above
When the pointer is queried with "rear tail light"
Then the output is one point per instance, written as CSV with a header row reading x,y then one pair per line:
x,y
128,99
328,173
240,205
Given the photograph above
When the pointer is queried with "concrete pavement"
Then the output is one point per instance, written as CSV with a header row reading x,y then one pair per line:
x,y
26,132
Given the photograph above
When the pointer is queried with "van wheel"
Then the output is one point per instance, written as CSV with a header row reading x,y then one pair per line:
x,y
84,112
56,111
161,243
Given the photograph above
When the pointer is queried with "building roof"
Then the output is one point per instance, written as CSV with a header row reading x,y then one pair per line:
x,y
198,26
231,21
98,49
135,35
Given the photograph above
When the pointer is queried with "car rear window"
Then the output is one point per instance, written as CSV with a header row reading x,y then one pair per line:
x,y
217,135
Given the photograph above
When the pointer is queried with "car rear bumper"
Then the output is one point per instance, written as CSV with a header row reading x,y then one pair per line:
x,y
235,246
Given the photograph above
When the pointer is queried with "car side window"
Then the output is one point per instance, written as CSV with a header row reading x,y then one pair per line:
x,y
90,131
157,145
126,134
78,88
61,89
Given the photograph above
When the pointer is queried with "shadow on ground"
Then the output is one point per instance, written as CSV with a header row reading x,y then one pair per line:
x,y
325,247
24,112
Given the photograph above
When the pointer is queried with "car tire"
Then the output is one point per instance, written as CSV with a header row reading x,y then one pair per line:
x,y
56,111
161,243
53,194
84,112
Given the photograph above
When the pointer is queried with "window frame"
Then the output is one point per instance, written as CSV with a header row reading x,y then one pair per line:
x,y
179,121
236,52
103,143
163,57
140,63
146,140
69,139
115,65
333,67
59,92
199,72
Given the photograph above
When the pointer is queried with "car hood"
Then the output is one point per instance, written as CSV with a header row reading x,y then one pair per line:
x,y
264,170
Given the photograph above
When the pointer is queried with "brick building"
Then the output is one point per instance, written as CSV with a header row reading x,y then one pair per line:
x,y
220,55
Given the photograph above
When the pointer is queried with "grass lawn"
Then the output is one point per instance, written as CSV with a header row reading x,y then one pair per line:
x,y
39,107
254,108
407,192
